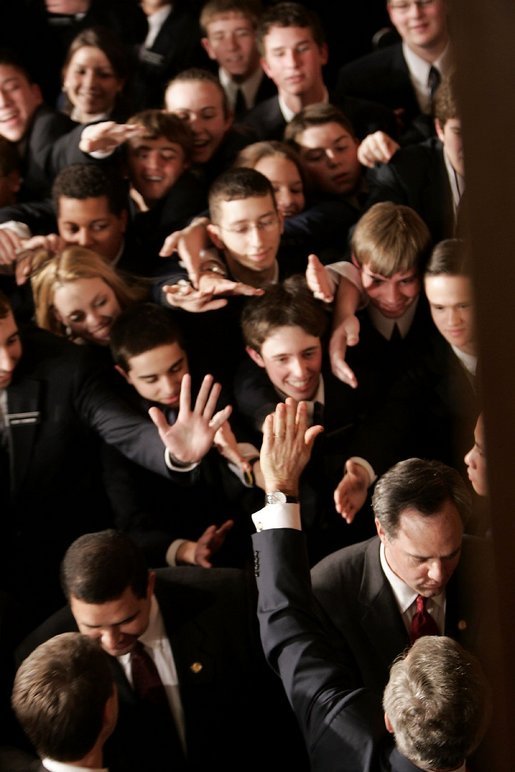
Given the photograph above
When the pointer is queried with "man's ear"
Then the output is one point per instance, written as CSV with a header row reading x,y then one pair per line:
x,y
439,130
255,356
122,373
388,724
215,235
206,45
380,530
151,583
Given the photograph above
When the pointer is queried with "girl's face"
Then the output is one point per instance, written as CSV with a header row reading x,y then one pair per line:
x,y
88,307
90,82
286,182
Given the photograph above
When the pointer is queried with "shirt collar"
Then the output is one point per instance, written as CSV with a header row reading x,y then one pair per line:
x,y
249,87
469,361
456,181
288,114
419,72
385,326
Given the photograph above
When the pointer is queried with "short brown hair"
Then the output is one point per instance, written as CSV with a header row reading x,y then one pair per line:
x,y
251,9
289,304
449,257
236,184
289,15
158,123
59,696
315,115
268,148
194,74
390,238
445,102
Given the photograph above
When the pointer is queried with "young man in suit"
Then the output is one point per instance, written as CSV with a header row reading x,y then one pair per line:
x,y
429,176
293,51
55,404
68,733
194,630
403,76
229,38
412,730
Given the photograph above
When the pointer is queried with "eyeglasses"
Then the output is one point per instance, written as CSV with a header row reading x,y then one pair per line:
x,y
265,224
405,5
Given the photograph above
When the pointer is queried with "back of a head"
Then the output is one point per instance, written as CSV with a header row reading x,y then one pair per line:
x,y
420,485
437,701
99,567
289,304
142,327
238,184
391,238
59,695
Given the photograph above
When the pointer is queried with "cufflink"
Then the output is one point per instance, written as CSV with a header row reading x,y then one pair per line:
x,y
196,667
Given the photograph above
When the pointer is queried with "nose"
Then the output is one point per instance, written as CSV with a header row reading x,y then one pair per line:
x,y
110,637
392,294
415,10
7,361
453,317
470,458
299,368
5,100
82,237
331,157
256,235
88,79
435,572
291,58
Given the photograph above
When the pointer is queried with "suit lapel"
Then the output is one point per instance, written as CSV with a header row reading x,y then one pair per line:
x,y
380,620
23,405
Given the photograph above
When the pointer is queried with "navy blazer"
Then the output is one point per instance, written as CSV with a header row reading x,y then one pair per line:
x,y
342,724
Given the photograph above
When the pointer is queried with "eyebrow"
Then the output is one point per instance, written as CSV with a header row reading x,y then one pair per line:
x,y
288,354
246,221
155,375
112,624
439,557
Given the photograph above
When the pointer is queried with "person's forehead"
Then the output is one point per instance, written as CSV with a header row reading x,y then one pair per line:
x,y
420,531
79,291
10,73
288,340
154,143
368,271
277,165
322,136
194,94
243,209
84,209
446,289
278,36
109,613
156,361
90,54
8,328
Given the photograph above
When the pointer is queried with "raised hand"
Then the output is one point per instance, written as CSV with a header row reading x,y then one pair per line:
x,y
286,448
318,281
191,436
377,148
351,492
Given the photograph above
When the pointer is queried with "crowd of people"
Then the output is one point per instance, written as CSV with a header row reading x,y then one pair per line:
x,y
236,295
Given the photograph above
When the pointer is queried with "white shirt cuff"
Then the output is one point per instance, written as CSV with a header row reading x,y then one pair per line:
x,y
176,466
369,468
277,516
171,552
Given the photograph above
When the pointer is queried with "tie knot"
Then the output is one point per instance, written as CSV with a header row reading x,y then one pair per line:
x,y
421,603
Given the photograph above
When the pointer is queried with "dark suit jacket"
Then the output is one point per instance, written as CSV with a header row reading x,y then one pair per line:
x,y
342,724
226,691
267,120
417,177
361,612
383,76
58,403
176,47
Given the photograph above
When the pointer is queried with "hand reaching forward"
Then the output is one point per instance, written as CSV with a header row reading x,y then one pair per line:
x,y
199,553
345,334
351,493
377,148
318,281
191,436
107,135
286,447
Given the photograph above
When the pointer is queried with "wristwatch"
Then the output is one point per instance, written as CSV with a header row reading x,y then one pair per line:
x,y
278,497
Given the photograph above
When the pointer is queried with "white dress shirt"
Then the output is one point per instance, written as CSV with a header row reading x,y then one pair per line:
x,y
419,73
248,87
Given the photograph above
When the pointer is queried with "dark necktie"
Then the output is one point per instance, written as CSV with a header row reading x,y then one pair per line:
x,y
422,622
318,413
149,688
396,336
240,105
433,81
